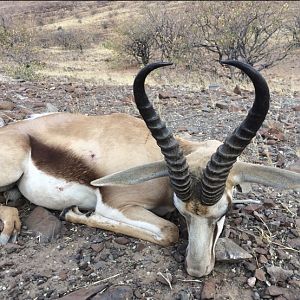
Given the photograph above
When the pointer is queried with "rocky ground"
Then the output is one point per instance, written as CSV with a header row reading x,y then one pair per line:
x,y
95,264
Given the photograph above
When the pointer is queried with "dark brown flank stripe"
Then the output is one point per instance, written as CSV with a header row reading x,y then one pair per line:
x,y
61,163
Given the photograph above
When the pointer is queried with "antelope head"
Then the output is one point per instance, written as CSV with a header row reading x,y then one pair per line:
x,y
203,181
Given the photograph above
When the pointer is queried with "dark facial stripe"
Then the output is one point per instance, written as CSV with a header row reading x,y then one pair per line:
x,y
61,163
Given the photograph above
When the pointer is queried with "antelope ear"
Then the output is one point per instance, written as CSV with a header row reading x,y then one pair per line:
x,y
270,176
134,175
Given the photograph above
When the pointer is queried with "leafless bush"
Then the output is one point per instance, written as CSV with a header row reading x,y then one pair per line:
x,y
136,40
158,34
250,31
70,39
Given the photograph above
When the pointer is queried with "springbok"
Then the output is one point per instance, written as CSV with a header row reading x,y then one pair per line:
x,y
112,165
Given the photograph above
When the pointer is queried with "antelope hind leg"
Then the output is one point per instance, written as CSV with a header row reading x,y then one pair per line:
x,y
134,221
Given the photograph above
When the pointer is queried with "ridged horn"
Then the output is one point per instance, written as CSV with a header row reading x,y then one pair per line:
x,y
216,172
177,166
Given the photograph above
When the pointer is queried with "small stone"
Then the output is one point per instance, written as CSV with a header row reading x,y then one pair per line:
x,y
251,281
260,275
237,90
38,104
274,290
122,240
6,105
282,255
271,142
140,247
262,259
279,274
115,292
209,289
45,225
296,108
227,250
163,96
97,247
63,275
261,250
221,105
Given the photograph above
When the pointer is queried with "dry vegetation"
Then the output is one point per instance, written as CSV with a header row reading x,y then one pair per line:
x,y
99,40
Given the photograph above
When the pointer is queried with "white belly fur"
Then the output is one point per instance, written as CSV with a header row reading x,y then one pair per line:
x,y
54,193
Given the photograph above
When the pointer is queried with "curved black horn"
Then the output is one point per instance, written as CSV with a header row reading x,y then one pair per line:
x,y
177,166
217,170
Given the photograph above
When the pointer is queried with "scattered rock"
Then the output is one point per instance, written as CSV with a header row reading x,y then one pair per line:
x,y
237,90
222,105
45,225
140,247
162,95
251,281
296,108
214,86
278,274
274,290
260,275
209,289
6,105
97,247
115,292
262,259
227,250
122,240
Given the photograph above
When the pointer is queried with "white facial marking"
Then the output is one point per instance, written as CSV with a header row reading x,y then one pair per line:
x,y
204,231
54,193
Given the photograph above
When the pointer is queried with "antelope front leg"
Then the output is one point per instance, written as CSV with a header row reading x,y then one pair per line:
x,y
133,221
12,224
